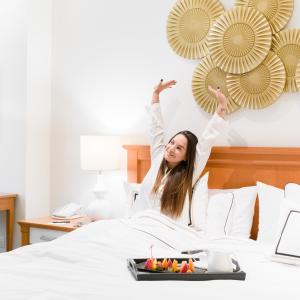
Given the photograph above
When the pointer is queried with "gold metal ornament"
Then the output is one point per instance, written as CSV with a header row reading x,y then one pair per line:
x,y
277,12
208,74
286,44
188,26
240,40
298,75
260,87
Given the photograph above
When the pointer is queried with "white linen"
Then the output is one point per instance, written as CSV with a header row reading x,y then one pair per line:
x,y
292,191
132,190
270,200
290,240
219,214
287,243
200,203
239,222
90,263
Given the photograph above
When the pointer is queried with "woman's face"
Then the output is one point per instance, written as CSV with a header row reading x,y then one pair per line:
x,y
175,151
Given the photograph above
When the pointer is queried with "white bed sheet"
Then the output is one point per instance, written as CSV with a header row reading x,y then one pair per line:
x,y
90,263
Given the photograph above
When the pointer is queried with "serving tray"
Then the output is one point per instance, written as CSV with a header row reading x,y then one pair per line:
x,y
136,267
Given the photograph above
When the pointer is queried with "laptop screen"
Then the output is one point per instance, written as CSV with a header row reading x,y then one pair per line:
x,y
289,241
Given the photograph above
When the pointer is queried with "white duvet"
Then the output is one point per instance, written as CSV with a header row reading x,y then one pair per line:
x,y
90,263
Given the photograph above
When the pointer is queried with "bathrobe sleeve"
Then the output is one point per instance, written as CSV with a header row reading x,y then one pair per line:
x,y
156,131
199,206
215,126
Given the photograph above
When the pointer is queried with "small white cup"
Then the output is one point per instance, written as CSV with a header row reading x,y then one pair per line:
x,y
219,261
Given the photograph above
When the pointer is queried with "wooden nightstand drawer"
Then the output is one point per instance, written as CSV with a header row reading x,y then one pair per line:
x,y
37,235
47,229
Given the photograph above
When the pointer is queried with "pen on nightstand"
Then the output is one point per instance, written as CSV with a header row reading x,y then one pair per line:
x,y
60,222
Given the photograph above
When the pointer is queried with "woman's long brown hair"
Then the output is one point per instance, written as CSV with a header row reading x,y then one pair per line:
x,y
179,180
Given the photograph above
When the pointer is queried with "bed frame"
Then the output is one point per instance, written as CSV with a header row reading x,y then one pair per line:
x,y
232,167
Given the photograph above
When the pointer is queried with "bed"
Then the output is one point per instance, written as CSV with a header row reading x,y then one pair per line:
x,y
90,262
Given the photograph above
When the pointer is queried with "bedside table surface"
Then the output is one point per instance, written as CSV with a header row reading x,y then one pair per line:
x,y
47,223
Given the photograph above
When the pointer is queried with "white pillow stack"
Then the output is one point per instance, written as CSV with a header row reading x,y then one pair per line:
x,y
219,214
279,221
287,241
224,212
240,216
270,200
132,190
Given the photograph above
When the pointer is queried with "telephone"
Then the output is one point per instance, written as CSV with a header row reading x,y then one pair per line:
x,y
67,211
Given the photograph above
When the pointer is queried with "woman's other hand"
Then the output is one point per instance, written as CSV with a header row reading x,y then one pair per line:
x,y
160,87
223,102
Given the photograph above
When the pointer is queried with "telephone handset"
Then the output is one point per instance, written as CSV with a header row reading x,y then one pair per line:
x,y
67,211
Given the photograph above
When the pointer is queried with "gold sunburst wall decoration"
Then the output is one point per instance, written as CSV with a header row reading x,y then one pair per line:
x,y
240,40
260,87
286,44
277,12
188,26
298,75
245,50
208,74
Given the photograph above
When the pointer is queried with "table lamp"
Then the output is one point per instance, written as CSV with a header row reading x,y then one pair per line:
x,y
100,153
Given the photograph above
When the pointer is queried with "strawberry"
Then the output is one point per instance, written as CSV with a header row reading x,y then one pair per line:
x,y
148,264
184,267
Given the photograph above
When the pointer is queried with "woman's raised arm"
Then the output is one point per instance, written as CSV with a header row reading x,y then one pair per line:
x,y
160,87
212,130
157,126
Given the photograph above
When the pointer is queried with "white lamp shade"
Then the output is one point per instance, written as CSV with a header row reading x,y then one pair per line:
x,y
100,152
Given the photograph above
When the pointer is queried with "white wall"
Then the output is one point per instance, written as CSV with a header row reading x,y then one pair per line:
x,y
107,56
25,96
13,36
38,108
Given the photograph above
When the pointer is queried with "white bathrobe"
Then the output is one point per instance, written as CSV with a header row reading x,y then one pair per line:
x,y
147,201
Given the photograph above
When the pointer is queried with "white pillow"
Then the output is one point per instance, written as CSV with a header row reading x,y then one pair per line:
x,y
292,191
199,203
270,200
243,211
241,218
219,214
132,191
287,243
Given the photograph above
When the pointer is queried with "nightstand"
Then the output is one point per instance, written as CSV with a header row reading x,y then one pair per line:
x,y
44,230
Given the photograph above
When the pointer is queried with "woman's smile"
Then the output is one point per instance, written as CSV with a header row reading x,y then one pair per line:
x,y
175,151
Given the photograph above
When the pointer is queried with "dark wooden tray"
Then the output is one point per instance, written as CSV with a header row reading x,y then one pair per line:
x,y
136,267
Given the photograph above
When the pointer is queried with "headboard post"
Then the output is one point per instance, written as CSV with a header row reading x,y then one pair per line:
x,y
138,162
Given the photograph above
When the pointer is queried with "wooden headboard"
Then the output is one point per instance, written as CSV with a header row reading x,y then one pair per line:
x,y
232,167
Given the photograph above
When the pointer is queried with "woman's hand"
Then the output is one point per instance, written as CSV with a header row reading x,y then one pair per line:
x,y
223,102
160,87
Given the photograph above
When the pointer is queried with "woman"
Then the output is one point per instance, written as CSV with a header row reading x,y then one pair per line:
x,y
176,167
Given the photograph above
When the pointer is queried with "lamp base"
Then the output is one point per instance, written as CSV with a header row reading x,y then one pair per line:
x,y
99,210
100,189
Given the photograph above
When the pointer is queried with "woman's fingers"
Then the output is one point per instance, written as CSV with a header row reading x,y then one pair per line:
x,y
219,95
168,84
213,90
164,85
